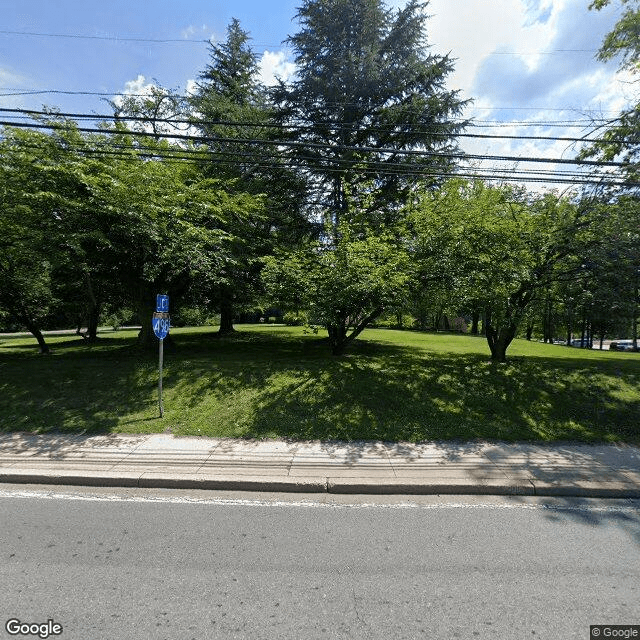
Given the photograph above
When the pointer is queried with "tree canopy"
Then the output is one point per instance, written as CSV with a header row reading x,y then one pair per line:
x,y
333,194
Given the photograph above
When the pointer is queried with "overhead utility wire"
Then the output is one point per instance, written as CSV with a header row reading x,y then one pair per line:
x,y
484,124
346,126
111,38
78,36
28,92
424,172
327,147
206,155
373,169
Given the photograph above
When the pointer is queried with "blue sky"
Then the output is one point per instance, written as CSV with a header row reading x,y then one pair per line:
x,y
520,60
75,64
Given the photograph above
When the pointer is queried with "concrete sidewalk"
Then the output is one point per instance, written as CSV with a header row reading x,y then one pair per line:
x,y
604,471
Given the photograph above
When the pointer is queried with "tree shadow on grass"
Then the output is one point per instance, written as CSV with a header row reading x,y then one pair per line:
x,y
275,385
293,389
77,389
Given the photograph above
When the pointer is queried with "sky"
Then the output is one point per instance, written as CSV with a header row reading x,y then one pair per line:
x,y
528,66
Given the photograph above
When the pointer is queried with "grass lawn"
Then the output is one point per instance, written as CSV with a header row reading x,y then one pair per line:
x,y
277,382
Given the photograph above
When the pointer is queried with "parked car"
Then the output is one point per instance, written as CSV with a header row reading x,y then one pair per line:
x,y
621,345
580,343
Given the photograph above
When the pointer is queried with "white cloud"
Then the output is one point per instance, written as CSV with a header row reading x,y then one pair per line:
x,y
192,87
472,31
508,51
136,87
274,66
512,58
189,32
12,81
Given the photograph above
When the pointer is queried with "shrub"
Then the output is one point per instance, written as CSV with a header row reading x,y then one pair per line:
x,y
296,319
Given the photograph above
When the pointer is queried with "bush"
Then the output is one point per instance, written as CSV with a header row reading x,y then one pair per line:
x,y
118,317
393,320
297,319
193,317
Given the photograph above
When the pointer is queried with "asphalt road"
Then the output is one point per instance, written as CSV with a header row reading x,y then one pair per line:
x,y
180,565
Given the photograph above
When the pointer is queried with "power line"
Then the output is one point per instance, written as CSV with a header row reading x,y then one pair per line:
x,y
487,174
541,53
342,126
332,148
207,154
110,38
485,124
490,124
395,169
27,92
77,36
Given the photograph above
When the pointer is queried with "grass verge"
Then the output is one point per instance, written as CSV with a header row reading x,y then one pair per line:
x,y
277,382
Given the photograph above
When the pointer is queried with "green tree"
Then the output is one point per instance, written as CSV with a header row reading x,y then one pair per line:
x,y
362,275
612,269
366,94
500,249
162,111
230,109
366,90
39,194
163,222
622,136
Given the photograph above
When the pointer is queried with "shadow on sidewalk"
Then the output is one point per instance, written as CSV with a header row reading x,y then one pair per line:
x,y
567,462
59,444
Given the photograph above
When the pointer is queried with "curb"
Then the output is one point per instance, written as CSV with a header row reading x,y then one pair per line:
x,y
292,484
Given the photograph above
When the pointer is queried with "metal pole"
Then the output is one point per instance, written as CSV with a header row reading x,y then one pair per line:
x,y
161,354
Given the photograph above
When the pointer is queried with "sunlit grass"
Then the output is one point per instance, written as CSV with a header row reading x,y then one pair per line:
x,y
273,381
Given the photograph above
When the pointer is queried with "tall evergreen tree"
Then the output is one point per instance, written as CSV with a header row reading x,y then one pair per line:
x,y
366,97
366,91
230,109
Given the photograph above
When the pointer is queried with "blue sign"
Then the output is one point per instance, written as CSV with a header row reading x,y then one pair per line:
x,y
162,304
161,327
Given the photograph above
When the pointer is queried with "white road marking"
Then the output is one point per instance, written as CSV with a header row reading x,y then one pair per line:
x,y
88,497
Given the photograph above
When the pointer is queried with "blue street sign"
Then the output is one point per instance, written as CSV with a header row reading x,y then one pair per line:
x,y
162,304
161,327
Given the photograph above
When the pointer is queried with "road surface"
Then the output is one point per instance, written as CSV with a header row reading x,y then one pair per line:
x,y
180,565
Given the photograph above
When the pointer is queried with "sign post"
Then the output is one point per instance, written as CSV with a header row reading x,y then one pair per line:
x,y
161,325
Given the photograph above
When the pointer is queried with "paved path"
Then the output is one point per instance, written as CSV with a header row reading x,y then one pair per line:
x,y
161,460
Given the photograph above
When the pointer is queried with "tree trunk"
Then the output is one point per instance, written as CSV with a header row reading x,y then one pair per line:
x,y
146,337
37,334
634,311
94,311
499,340
530,328
475,319
226,314
338,337
548,321
92,326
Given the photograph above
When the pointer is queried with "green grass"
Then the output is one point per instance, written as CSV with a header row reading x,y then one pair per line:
x,y
271,381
